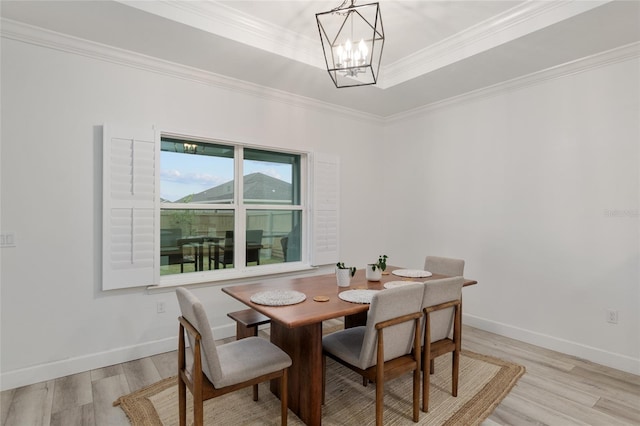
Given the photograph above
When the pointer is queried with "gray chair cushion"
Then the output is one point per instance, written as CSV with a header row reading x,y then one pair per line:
x,y
345,344
357,345
444,266
247,358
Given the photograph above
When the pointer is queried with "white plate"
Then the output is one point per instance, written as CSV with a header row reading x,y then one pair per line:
x,y
411,273
357,296
394,284
278,297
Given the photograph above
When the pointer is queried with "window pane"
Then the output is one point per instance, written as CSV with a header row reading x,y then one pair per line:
x,y
196,172
271,177
279,235
192,240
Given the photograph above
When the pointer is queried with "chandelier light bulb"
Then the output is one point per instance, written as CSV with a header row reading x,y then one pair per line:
x,y
362,47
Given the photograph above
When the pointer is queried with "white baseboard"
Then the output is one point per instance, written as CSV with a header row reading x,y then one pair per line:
x,y
599,356
53,370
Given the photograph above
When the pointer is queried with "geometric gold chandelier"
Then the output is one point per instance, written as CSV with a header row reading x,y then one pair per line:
x,y
352,40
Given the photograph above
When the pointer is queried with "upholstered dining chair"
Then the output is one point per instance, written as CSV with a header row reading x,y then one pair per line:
x,y
444,266
217,370
387,346
442,306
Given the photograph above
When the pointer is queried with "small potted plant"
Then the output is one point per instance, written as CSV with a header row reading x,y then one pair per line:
x,y
374,270
344,274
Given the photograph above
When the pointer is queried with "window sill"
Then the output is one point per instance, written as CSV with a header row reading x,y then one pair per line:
x,y
230,276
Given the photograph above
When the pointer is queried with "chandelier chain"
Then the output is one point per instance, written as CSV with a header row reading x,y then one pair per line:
x,y
343,5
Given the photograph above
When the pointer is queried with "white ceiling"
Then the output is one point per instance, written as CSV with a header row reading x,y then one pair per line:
x,y
433,50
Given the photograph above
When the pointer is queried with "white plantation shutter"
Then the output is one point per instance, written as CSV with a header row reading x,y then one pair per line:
x,y
326,197
128,210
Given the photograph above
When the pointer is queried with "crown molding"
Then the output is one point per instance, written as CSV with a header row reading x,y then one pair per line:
x,y
507,26
41,37
620,54
224,21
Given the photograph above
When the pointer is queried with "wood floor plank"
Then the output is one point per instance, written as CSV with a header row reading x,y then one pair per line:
x,y
31,405
78,415
72,391
140,373
105,392
618,375
607,381
519,410
166,364
617,409
5,402
101,373
559,404
559,388
592,383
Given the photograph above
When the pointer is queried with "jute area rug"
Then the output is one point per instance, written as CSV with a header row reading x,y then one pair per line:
x,y
484,381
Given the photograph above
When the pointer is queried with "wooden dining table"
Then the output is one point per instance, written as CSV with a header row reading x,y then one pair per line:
x,y
297,328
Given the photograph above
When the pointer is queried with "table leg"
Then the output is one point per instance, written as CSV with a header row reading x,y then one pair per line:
x,y
304,346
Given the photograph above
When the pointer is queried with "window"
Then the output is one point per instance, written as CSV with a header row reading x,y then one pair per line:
x,y
172,206
206,210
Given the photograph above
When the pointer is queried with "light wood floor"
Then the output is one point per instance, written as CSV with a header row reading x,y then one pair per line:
x,y
556,390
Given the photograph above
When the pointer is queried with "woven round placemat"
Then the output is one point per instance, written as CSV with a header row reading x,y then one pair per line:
x,y
278,297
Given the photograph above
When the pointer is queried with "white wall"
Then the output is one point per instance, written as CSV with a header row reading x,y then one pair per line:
x,y
538,189
517,184
55,318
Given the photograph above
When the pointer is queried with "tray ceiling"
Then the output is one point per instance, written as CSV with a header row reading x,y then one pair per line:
x,y
434,50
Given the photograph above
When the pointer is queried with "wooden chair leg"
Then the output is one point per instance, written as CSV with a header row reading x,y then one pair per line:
x,y
379,402
380,380
182,401
432,368
198,408
426,378
454,373
416,394
284,392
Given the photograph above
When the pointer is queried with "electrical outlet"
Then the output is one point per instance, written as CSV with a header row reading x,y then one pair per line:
x,y
8,239
160,308
612,316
